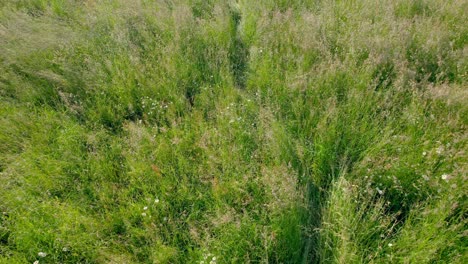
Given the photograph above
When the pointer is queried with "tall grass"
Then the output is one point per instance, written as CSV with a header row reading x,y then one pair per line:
x,y
233,131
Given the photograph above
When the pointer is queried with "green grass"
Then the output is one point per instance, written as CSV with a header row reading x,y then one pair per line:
x,y
216,131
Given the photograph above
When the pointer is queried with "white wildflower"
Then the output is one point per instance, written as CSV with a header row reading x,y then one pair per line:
x,y
36,262
390,244
379,191
143,214
42,254
145,208
156,200
445,177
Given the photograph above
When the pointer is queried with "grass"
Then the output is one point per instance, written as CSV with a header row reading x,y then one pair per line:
x,y
233,131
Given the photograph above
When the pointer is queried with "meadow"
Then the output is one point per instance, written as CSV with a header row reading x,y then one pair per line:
x,y
212,131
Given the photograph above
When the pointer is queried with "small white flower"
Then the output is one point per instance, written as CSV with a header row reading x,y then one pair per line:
x,y
165,218
36,262
214,258
145,208
445,177
390,244
65,249
143,214
379,191
42,254
424,153
156,200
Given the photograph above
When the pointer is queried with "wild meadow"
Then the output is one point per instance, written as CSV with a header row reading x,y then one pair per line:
x,y
212,131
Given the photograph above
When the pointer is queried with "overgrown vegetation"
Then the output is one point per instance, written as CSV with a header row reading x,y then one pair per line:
x,y
267,131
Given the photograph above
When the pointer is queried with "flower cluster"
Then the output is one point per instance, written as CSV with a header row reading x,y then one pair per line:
x,y
152,106
208,259
145,208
